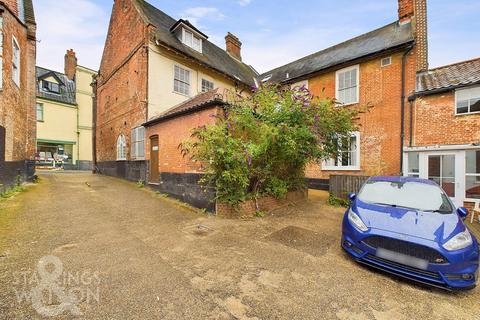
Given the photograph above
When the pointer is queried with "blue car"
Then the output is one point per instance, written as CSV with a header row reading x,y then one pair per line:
x,y
410,227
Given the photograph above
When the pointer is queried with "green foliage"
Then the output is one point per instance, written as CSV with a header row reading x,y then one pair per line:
x,y
263,144
338,202
11,191
260,214
140,184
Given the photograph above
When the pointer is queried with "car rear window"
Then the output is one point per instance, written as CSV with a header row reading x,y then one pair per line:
x,y
414,195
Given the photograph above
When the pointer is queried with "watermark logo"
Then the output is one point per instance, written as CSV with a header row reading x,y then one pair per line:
x,y
52,291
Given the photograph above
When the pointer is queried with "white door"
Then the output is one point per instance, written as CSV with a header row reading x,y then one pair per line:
x,y
447,170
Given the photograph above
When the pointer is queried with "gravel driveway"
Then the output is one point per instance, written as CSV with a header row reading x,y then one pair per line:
x,y
111,250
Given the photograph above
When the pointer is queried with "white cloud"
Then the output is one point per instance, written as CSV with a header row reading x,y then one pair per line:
x,y
244,2
77,24
196,14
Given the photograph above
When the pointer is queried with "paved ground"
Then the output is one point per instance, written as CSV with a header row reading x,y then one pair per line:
x,y
130,254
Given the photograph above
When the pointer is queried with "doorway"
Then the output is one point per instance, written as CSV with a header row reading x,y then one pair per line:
x,y
447,170
154,170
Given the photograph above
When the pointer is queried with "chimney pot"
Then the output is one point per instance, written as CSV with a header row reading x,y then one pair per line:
x,y
70,64
234,46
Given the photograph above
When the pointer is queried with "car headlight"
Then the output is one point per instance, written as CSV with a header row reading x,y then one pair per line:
x,y
460,241
356,221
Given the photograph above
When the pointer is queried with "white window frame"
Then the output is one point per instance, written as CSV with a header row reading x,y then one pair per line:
x,y
356,167
1,52
191,43
121,148
209,82
16,64
469,175
389,59
43,111
337,78
456,101
138,143
189,83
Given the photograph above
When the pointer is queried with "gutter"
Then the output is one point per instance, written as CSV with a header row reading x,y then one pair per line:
x,y
402,116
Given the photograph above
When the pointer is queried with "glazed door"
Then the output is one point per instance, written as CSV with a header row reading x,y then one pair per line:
x,y
154,170
446,170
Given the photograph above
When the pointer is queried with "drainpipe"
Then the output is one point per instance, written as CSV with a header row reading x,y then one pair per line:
x,y
411,99
78,138
402,117
94,124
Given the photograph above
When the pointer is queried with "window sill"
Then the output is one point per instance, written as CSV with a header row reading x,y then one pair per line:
x,y
40,120
328,168
466,114
120,160
348,104
181,94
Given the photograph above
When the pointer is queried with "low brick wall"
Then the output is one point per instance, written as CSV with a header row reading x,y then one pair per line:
x,y
130,170
267,204
10,172
186,187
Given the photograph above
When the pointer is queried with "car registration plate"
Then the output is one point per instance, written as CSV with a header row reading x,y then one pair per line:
x,y
402,258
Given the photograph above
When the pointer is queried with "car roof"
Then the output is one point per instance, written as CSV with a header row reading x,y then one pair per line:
x,y
401,179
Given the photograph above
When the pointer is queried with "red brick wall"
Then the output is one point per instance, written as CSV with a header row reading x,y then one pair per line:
x,y
172,133
435,122
405,9
17,104
12,5
379,127
122,81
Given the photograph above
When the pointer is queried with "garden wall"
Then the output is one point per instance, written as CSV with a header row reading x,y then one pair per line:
x,y
267,204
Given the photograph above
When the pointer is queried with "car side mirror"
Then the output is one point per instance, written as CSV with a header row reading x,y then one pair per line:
x,y
352,196
462,212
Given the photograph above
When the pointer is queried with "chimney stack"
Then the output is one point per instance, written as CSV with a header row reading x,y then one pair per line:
x,y
234,46
70,64
420,26
406,10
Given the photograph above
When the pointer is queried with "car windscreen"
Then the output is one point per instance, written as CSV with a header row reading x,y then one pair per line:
x,y
414,195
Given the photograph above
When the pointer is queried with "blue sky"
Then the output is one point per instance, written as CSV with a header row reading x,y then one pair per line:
x,y
273,32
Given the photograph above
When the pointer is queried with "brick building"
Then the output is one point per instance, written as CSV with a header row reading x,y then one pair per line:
x,y
152,62
444,140
17,91
374,72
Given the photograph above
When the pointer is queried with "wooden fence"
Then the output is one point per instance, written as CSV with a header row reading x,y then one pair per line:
x,y
342,185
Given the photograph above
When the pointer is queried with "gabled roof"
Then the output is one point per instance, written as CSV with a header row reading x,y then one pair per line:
x,y
392,36
200,101
67,94
449,77
211,56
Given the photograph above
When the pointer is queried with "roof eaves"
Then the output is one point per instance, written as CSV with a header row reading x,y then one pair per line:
x,y
215,102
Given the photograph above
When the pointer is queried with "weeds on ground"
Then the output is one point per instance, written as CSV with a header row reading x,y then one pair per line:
x,y
163,195
10,192
260,214
141,184
337,202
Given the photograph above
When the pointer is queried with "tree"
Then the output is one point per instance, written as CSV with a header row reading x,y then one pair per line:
x,y
264,142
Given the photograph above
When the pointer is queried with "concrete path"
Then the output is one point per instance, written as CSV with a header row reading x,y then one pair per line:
x,y
121,252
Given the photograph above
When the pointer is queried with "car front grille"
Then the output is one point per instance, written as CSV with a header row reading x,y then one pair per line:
x,y
413,270
406,248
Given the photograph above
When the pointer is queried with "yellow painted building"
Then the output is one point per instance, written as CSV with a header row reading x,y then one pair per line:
x,y
65,116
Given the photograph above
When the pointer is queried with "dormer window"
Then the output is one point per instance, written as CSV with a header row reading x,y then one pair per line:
x,y
50,86
192,40
188,34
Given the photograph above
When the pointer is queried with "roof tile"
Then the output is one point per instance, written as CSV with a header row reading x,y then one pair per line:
x,y
448,77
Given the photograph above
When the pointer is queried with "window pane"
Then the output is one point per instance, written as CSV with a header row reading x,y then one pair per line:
x,y
473,162
413,162
353,74
475,105
473,187
341,81
462,106
348,82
